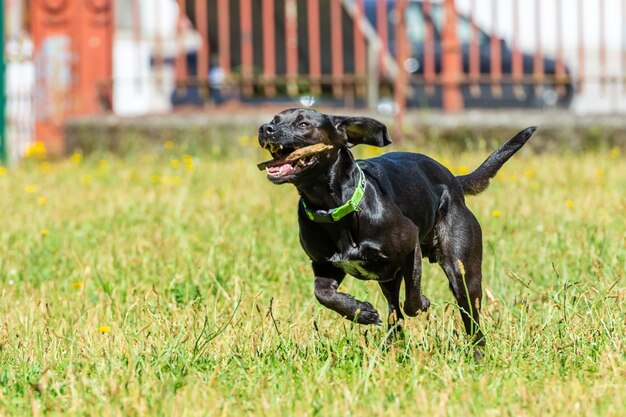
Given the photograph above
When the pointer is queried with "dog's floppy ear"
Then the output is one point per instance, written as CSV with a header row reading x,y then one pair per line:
x,y
362,130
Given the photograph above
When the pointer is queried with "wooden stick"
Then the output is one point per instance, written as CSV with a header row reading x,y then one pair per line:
x,y
295,155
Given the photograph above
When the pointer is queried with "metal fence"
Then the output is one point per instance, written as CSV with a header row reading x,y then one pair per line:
x,y
452,53
449,54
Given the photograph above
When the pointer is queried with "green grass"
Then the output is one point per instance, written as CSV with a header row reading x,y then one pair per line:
x,y
160,284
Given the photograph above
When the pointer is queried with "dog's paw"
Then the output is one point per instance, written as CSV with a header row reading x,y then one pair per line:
x,y
412,309
367,314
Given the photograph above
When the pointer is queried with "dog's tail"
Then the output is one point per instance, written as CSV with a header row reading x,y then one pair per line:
x,y
477,181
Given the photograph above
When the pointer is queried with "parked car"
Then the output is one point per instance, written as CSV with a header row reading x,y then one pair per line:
x,y
524,94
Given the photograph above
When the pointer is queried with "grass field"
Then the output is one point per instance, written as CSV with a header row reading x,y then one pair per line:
x,y
173,284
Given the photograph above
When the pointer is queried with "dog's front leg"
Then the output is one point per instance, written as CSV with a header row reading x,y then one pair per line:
x,y
412,271
361,312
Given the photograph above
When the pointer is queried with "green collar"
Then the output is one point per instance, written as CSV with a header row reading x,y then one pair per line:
x,y
338,213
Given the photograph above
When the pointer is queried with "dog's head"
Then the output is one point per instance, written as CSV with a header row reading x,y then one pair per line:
x,y
297,128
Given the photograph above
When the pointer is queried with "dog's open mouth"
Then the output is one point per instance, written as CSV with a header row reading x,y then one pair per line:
x,y
290,168
289,161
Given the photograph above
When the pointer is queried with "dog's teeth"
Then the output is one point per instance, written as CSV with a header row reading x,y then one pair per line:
x,y
280,147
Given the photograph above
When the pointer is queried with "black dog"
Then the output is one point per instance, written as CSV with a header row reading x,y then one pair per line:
x,y
375,219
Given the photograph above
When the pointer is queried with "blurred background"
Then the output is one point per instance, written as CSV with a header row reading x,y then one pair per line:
x,y
65,60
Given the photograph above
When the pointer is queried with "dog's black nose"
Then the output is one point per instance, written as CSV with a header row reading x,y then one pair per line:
x,y
267,129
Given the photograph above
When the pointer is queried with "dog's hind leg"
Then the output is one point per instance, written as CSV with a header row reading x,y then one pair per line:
x,y
412,270
460,244
327,280
391,291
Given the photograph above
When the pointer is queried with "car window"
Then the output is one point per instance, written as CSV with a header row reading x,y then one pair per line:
x,y
416,26
464,31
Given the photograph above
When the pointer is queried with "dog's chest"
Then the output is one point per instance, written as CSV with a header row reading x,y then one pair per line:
x,y
365,263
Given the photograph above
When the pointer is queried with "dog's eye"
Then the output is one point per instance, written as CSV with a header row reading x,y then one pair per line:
x,y
304,125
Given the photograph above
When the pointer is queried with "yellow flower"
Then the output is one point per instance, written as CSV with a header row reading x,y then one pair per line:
x,y
169,145
41,200
44,232
614,153
76,158
175,163
599,174
155,179
3,171
462,170
37,150
529,173
77,284
496,214
85,179
569,203
104,329
188,160
30,189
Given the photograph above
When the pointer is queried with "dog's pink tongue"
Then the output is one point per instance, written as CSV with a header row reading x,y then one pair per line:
x,y
284,169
